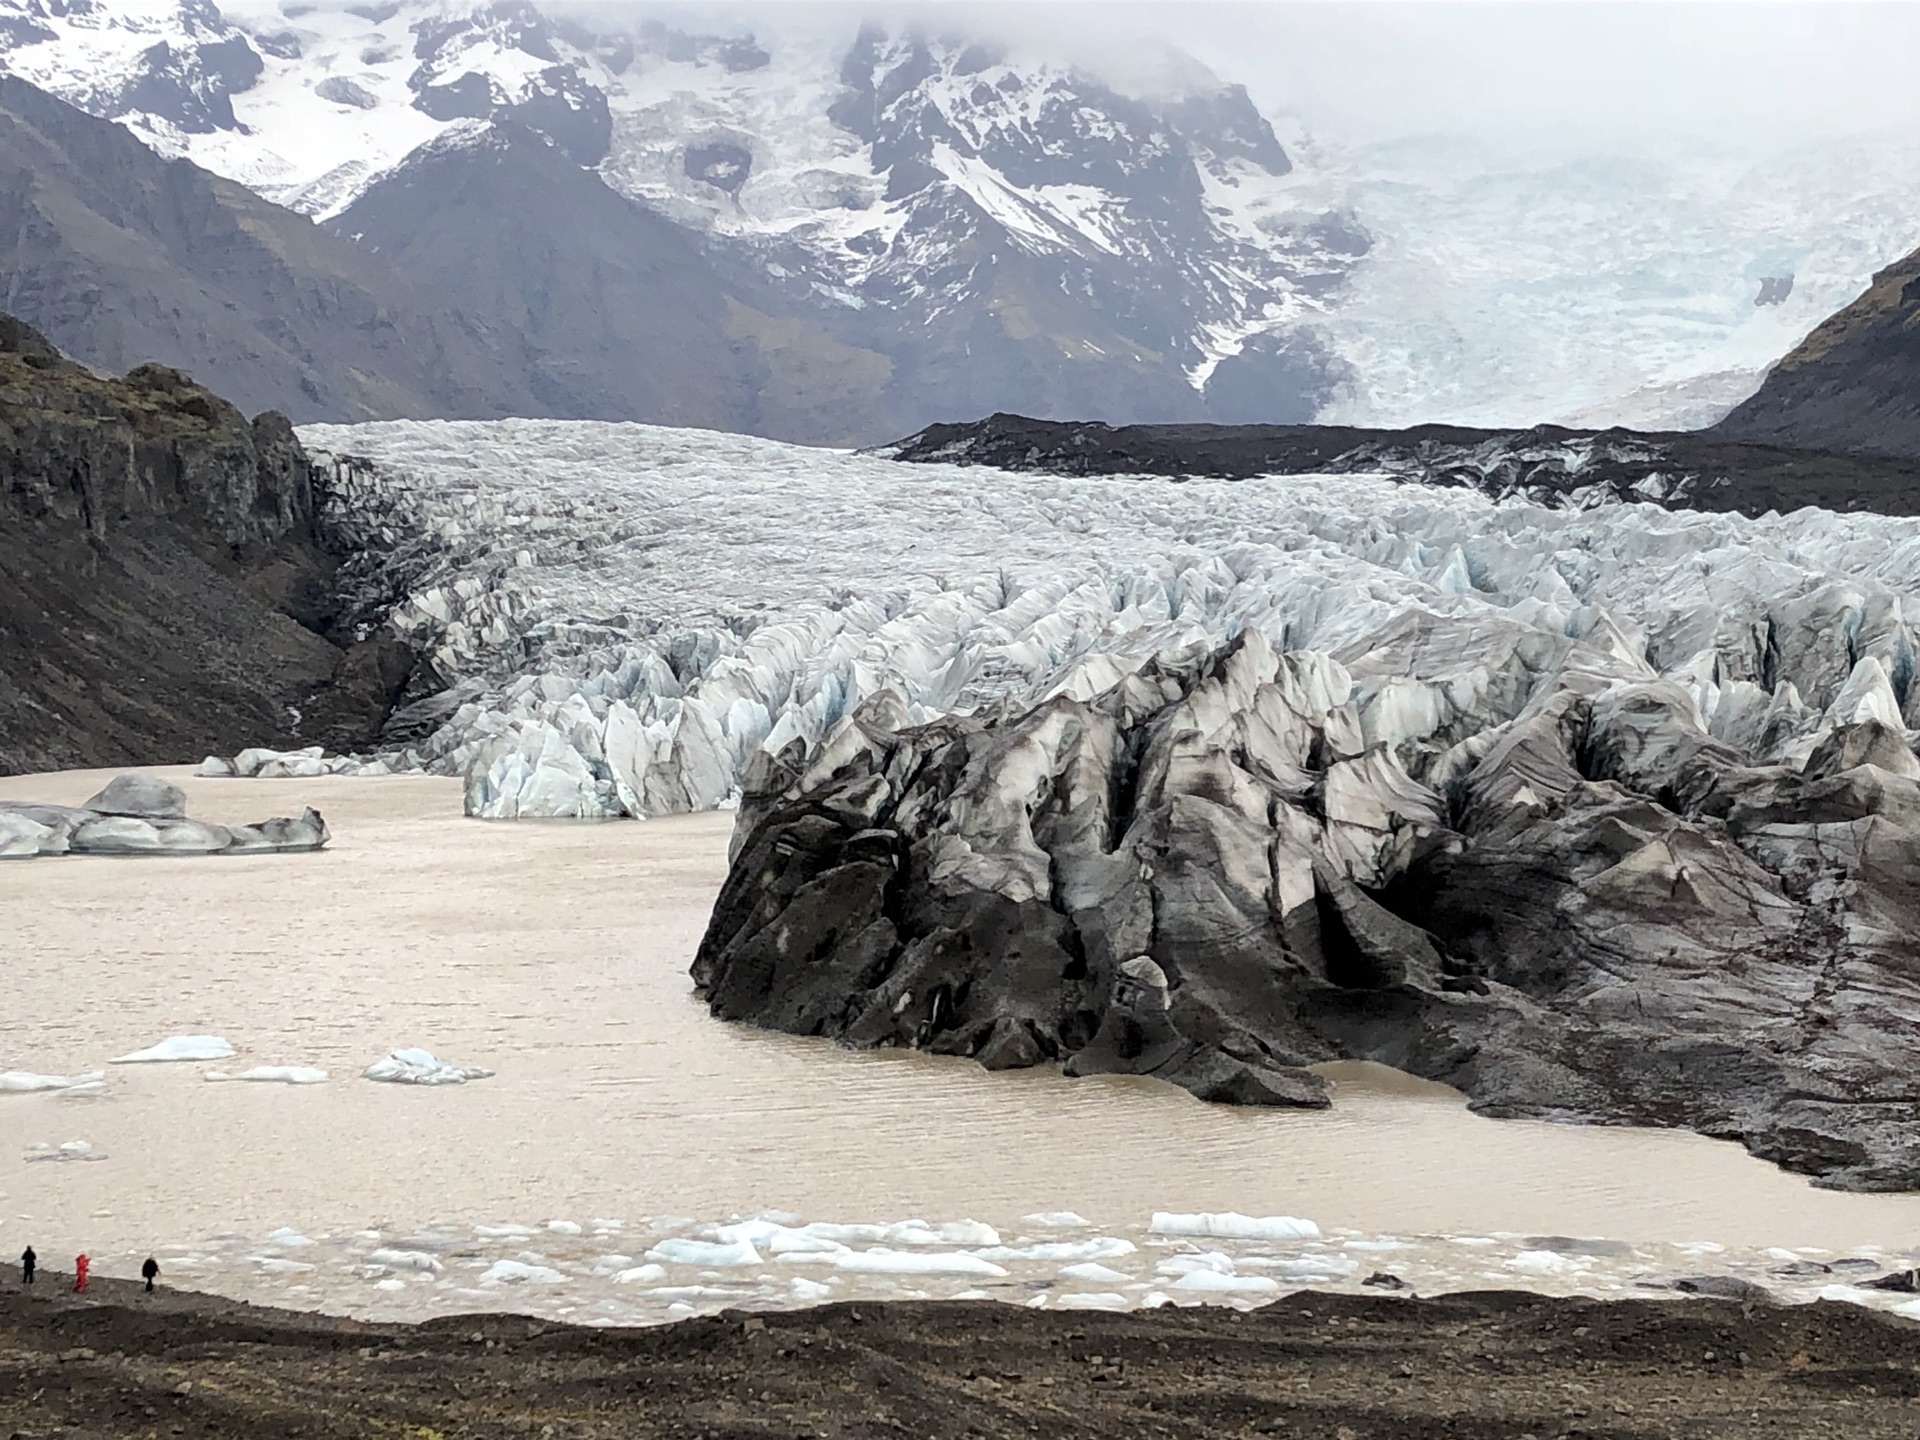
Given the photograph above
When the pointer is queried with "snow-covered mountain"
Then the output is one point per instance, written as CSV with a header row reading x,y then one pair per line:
x,y
978,226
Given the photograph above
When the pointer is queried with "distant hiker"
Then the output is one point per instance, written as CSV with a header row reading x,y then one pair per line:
x,y
80,1266
148,1271
27,1261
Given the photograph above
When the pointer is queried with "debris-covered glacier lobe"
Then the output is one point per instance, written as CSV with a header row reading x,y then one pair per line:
x,y
1509,859
623,615
1548,463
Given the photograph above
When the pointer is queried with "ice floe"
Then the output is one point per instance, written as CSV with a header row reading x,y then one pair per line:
x,y
768,1262
178,1048
711,1254
25,1082
419,1067
274,1075
1233,1226
66,1151
516,1272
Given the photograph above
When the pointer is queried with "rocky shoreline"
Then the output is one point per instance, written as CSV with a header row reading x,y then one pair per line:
x,y
1488,1366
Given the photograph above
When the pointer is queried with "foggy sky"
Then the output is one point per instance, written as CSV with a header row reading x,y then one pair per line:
x,y
1548,74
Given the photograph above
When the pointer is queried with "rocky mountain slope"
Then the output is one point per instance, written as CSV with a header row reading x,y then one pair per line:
x,y
1854,383
164,589
616,312
122,258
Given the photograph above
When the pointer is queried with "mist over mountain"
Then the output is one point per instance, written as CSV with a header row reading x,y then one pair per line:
x,y
807,225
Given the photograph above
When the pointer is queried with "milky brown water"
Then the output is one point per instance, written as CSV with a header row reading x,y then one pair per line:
x,y
556,955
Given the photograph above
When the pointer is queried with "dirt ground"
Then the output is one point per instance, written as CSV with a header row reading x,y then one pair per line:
x,y
1331,1367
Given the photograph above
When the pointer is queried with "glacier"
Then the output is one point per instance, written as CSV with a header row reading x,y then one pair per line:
x,y
625,616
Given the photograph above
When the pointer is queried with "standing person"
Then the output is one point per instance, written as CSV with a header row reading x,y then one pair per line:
x,y
149,1271
80,1265
28,1260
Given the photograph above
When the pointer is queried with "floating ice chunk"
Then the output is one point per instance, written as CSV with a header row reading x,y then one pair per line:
x,y
25,1082
502,1232
66,1150
610,1264
408,1260
1211,1282
1540,1262
804,1289
641,1275
1373,1246
1102,1247
879,1261
1231,1226
287,1238
915,1262
274,1075
389,1284
1056,1220
279,1265
514,1272
1098,1274
715,1254
970,1233
1850,1295
1211,1260
1099,1300
563,1227
1302,1267
419,1067
179,1047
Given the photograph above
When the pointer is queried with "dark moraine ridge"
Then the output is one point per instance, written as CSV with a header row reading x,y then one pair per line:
x,y
165,590
1211,874
1492,1366
1702,471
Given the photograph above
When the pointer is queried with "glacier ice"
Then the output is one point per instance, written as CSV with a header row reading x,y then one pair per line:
x,y
179,1047
25,1082
629,615
1233,1226
420,1067
274,1075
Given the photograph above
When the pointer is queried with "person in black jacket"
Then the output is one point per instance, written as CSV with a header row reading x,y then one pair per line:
x,y
27,1261
148,1271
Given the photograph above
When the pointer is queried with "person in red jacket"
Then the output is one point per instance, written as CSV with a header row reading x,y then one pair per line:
x,y
80,1265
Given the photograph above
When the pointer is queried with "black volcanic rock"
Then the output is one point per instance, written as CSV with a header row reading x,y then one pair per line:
x,y
1574,905
1548,463
165,590
1853,384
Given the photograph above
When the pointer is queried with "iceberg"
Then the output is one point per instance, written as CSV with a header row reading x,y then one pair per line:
x,y
1231,1226
178,1048
274,1075
25,1082
419,1067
